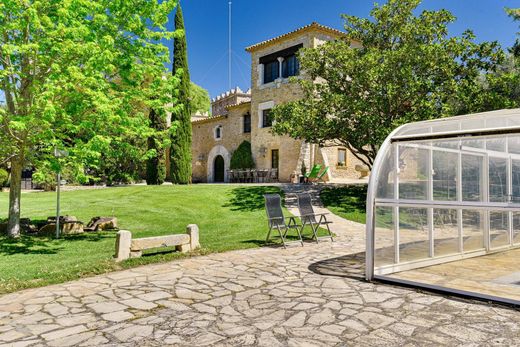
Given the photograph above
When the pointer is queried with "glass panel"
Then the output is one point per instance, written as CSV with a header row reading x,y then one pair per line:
x,y
453,144
472,123
515,168
513,144
473,230
267,120
498,180
516,228
445,231
498,229
275,159
271,71
385,183
290,66
445,175
384,253
342,157
413,173
470,144
247,123
413,234
472,166
497,144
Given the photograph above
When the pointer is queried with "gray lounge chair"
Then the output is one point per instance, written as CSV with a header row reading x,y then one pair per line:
x,y
309,217
276,219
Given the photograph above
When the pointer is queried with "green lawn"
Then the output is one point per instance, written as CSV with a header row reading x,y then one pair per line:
x,y
229,217
348,202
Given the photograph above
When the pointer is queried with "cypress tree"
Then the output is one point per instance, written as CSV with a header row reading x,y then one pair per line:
x,y
180,155
155,165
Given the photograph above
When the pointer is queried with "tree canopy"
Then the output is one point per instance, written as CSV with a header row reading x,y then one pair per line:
x,y
515,14
199,99
78,75
180,150
242,157
394,68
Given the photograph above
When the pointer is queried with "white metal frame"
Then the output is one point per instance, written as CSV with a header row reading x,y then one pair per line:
x,y
424,141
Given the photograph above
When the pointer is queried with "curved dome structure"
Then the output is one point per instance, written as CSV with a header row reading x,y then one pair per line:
x,y
444,190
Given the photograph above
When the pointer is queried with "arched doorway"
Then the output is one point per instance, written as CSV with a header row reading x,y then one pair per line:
x,y
218,169
216,151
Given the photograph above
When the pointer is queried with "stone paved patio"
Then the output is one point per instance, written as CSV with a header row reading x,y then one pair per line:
x,y
266,297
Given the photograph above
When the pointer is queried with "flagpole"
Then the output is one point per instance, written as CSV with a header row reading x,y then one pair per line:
x,y
229,51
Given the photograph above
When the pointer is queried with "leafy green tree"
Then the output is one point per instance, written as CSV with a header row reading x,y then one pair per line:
x,y
73,74
199,99
156,163
500,88
405,68
180,150
4,177
515,14
242,157
496,90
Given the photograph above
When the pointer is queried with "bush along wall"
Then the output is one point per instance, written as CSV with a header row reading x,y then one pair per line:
x,y
242,158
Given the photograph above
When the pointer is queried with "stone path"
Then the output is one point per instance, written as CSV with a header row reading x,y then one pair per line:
x,y
262,297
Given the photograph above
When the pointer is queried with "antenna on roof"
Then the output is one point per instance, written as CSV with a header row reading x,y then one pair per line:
x,y
229,66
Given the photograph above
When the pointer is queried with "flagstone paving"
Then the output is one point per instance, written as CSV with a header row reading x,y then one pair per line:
x,y
262,297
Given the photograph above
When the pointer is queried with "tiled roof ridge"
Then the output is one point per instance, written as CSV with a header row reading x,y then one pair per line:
x,y
305,27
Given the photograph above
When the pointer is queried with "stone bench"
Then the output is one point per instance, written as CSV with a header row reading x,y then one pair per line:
x,y
126,247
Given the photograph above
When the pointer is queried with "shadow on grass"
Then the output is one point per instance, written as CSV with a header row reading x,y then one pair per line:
x,y
250,199
39,244
346,199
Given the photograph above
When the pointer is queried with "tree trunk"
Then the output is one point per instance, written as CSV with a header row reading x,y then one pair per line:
x,y
15,190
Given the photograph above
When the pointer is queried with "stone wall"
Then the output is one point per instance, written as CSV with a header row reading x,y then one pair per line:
x,y
205,147
341,172
265,96
233,97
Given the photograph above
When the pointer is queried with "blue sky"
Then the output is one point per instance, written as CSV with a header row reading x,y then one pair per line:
x,y
254,21
257,20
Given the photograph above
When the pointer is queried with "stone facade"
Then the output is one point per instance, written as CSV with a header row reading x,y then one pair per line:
x,y
235,96
206,147
228,112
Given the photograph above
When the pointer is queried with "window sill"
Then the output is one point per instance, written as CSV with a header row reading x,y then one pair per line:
x,y
277,82
341,167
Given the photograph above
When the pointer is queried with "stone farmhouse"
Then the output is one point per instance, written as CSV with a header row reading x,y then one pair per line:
x,y
239,116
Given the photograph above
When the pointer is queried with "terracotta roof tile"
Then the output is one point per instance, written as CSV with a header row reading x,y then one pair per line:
x,y
313,25
209,119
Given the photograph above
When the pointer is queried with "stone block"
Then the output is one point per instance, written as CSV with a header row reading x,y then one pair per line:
x,y
123,242
159,241
71,228
183,248
102,223
193,231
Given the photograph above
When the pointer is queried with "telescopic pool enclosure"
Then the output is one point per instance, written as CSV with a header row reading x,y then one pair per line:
x,y
444,190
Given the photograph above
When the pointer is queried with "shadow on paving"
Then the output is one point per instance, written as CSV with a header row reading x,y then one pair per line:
x,y
350,266
34,244
250,199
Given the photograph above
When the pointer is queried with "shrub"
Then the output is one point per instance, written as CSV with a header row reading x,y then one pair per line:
x,y
45,178
4,177
242,158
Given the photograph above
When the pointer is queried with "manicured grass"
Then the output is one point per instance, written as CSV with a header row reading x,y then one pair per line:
x,y
348,202
229,217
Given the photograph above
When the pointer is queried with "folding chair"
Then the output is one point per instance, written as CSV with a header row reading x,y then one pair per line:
x,y
308,216
276,219
322,174
313,174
